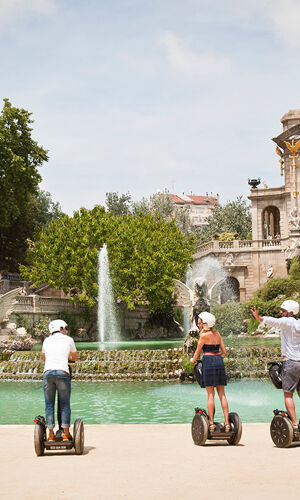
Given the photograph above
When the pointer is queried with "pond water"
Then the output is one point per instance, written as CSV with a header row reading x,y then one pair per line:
x,y
141,402
168,344
125,345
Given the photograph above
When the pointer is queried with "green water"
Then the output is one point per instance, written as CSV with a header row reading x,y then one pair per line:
x,y
168,344
140,402
129,345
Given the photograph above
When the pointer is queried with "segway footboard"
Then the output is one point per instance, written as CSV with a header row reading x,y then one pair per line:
x,y
201,432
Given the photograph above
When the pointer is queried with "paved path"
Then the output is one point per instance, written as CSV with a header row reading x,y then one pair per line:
x,y
149,462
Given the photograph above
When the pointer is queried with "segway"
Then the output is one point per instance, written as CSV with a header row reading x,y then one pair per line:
x,y
200,423
41,443
40,437
281,429
201,431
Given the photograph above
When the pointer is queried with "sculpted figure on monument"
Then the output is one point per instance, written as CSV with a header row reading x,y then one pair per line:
x,y
292,250
228,259
294,219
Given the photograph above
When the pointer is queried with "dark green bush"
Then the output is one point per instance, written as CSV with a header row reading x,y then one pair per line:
x,y
275,287
229,318
294,270
252,325
265,308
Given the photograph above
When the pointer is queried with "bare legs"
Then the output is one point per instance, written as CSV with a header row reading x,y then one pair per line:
x,y
211,403
290,406
224,403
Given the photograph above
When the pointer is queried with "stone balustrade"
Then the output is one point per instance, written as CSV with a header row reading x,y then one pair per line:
x,y
45,305
217,246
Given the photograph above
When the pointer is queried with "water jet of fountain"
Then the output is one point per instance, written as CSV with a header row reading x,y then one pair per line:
x,y
186,310
108,328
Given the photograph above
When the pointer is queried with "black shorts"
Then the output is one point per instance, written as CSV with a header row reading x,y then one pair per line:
x,y
291,375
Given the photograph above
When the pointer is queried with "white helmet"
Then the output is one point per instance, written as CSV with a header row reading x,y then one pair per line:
x,y
207,318
291,306
56,325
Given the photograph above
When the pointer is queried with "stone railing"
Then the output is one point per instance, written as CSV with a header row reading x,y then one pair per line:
x,y
217,246
36,304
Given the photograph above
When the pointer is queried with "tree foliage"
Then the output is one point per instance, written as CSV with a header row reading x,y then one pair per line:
x,y
233,217
20,199
160,205
46,209
118,204
146,253
20,157
14,239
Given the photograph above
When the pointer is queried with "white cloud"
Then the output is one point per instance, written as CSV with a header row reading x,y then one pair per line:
x,y
280,17
10,10
192,64
285,19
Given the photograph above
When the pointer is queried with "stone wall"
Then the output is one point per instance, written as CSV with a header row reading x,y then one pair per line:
x,y
250,261
134,324
164,364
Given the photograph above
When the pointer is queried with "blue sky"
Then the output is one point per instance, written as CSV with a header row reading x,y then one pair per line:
x,y
132,95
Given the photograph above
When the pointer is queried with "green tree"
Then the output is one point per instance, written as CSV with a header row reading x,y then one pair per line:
x,y
20,157
46,209
14,239
233,217
118,204
146,253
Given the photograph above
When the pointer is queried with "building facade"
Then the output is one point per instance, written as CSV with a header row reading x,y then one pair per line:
x,y
275,225
199,207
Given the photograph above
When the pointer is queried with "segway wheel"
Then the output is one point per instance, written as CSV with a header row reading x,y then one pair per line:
x,y
281,431
199,429
39,437
78,433
236,425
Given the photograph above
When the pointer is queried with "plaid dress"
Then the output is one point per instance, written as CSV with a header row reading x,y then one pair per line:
x,y
213,370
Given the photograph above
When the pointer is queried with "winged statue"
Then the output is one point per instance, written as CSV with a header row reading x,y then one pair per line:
x,y
7,301
194,299
184,293
292,146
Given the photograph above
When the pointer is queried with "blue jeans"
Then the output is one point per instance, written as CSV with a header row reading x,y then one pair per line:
x,y
61,381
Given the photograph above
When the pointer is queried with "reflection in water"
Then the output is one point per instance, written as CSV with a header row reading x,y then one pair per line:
x,y
140,402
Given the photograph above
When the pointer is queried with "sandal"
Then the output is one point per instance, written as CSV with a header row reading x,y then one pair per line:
x,y
227,427
66,437
212,427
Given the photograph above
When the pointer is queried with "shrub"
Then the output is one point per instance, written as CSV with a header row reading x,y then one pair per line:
x,y
275,287
227,236
265,308
252,325
229,318
294,270
186,365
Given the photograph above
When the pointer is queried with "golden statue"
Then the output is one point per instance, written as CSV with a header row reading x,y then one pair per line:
x,y
280,153
294,149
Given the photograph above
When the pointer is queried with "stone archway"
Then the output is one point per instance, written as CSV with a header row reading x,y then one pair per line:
x,y
271,222
230,290
226,290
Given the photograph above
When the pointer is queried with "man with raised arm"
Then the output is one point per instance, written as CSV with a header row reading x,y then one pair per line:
x,y
290,350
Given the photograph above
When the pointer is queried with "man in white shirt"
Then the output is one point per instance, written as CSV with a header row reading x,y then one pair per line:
x,y
290,350
57,349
